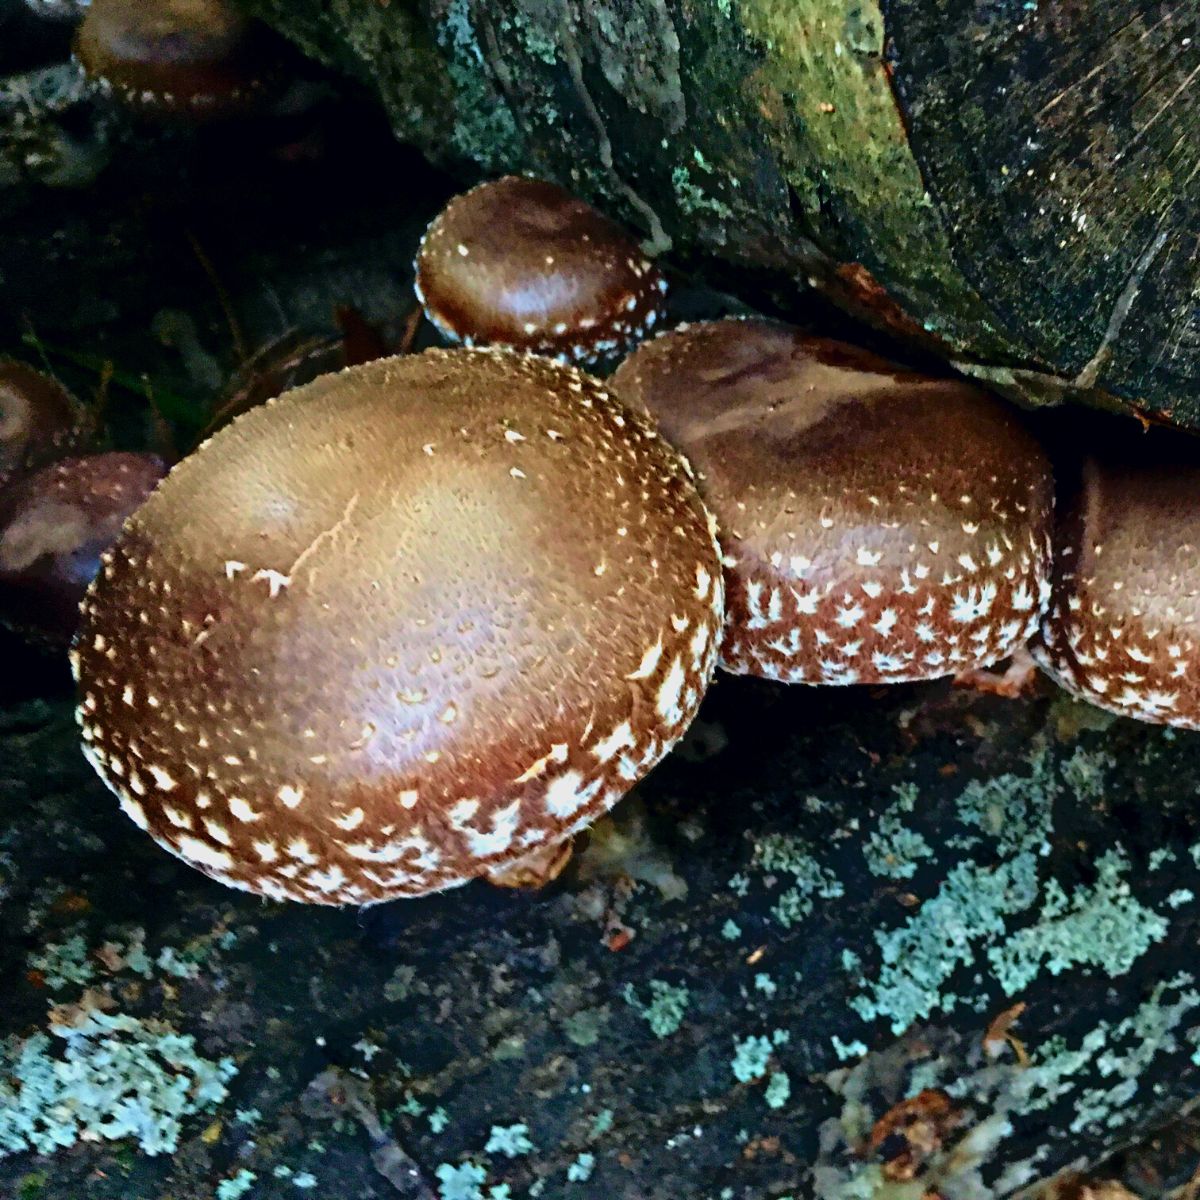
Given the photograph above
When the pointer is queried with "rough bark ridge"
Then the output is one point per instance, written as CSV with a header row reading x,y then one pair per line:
x,y
1015,184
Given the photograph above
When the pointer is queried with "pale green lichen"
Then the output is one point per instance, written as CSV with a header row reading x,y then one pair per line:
x,y
580,1171
236,1186
779,1089
1103,925
510,1140
439,1119
731,930
750,1059
969,919
668,1003
108,1076
893,850
65,964
462,1182
785,854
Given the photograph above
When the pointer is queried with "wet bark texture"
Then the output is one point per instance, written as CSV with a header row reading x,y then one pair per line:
x,y
1012,183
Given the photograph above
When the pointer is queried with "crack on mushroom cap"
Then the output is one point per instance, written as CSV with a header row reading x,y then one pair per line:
x,y
1121,631
522,263
366,644
877,525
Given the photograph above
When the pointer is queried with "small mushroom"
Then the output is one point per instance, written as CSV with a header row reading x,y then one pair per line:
x,y
54,525
176,58
523,263
39,420
403,626
1123,627
877,525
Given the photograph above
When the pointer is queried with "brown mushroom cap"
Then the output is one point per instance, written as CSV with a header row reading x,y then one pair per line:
x,y
38,419
193,58
54,526
523,263
877,525
400,626
1123,627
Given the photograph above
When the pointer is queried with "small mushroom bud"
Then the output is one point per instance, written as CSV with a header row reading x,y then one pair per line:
x,y
1121,628
523,263
54,525
403,626
176,58
877,525
38,419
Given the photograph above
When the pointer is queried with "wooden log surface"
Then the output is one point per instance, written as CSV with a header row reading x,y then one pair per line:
x,y
1012,184
910,943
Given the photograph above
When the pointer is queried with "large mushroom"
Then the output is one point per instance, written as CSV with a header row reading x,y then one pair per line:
x,y
877,525
1123,627
522,263
406,625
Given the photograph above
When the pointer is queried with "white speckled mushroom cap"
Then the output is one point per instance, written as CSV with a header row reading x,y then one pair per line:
x,y
522,263
399,627
1123,627
877,525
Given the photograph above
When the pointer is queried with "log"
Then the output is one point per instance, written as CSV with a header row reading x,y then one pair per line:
x,y
1015,186
895,944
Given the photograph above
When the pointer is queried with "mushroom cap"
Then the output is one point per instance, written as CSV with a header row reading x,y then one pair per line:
x,y
54,526
1123,627
522,263
38,419
184,57
877,525
400,626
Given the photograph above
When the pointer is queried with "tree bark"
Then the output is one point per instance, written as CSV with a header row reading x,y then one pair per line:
x,y
1013,185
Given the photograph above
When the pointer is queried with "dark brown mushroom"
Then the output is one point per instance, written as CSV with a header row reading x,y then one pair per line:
x,y
39,420
1123,627
523,263
877,525
400,627
54,525
177,58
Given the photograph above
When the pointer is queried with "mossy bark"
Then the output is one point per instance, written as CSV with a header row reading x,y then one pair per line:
x,y
1017,189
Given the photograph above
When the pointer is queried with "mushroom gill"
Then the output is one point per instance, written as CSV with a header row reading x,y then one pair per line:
x,y
877,525
403,626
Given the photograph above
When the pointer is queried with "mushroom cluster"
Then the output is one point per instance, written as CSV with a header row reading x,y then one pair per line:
x,y
421,620
409,624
